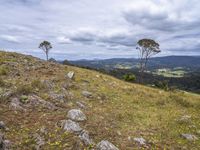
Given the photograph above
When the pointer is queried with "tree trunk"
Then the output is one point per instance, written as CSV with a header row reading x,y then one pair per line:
x,y
47,56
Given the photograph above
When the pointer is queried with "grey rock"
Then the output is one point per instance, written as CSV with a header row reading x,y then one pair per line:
x,y
34,100
58,97
6,145
39,141
76,115
189,137
81,105
84,136
2,125
72,126
16,105
106,145
71,75
140,141
87,94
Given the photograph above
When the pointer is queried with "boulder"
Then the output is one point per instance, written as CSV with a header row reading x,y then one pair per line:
x,y
76,115
71,75
189,137
71,126
84,136
87,94
140,141
106,145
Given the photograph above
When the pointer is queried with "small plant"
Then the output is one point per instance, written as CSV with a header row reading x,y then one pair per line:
x,y
24,99
129,77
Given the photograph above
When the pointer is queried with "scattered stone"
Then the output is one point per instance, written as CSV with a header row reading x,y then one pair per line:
x,y
81,105
185,119
76,115
140,141
6,145
39,141
72,126
84,136
119,133
43,130
58,97
16,105
189,137
2,125
106,145
34,100
71,75
87,94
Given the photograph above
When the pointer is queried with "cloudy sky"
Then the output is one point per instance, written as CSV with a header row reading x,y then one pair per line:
x,y
90,29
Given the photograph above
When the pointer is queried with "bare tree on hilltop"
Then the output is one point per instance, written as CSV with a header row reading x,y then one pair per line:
x,y
147,48
45,46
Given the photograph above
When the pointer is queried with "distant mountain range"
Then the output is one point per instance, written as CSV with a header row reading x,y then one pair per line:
x,y
187,62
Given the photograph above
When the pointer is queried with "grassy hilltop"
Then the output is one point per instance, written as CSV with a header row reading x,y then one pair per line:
x,y
116,111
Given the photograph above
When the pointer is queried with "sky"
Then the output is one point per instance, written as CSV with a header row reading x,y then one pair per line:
x,y
99,29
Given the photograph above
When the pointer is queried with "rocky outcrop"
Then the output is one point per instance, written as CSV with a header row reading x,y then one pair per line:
x,y
76,115
106,145
71,126
84,136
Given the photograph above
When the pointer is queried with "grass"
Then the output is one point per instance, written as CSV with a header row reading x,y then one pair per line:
x,y
115,107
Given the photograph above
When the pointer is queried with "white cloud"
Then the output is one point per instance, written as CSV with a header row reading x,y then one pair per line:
x,y
87,28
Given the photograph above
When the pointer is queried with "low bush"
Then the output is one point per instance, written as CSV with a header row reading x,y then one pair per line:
x,y
129,77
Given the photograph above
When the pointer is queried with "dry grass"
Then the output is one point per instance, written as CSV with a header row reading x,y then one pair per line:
x,y
116,107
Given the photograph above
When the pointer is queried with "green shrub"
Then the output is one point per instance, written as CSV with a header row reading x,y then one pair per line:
x,y
24,99
129,77
162,85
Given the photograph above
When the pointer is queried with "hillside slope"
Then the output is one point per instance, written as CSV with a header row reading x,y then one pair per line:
x,y
35,97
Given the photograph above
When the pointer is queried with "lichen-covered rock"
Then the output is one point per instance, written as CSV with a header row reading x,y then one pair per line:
x,y
76,115
71,126
84,136
106,145
140,141
87,94
189,137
